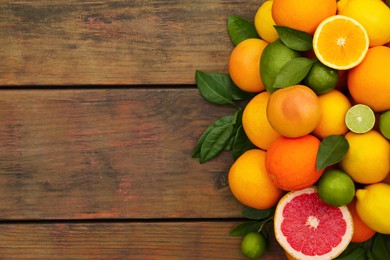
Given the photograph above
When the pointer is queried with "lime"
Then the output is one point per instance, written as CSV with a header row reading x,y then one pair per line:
x,y
275,55
321,79
360,119
336,188
384,124
253,245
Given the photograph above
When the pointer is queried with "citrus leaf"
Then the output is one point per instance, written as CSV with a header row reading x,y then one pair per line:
x,y
380,248
215,142
332,150
236,93
241,143
257,214
294,39
293,72
358,253
240,29
244,228
221,121
212,89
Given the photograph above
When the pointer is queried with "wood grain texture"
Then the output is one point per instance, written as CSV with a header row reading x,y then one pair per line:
x,y
136,241
56,42
119,153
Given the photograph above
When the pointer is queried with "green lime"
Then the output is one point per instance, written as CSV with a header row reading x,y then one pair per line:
x,y
384,124
253,245
336,188
321,79
360,119
275,55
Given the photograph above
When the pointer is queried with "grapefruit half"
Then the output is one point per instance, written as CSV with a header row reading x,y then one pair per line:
x,y
308,228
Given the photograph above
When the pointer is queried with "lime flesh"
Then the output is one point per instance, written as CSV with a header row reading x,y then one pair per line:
x,y
360,119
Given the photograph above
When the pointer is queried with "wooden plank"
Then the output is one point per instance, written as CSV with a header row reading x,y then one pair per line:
x,y
58,42
152,241
119,153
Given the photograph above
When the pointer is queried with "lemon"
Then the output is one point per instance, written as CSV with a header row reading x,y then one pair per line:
x,y
377,26
368,158
264,22
373,206
253,245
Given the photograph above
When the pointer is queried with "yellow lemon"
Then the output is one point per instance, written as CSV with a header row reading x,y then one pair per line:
x,y
334,105
373,206
264,22
374,15
368,158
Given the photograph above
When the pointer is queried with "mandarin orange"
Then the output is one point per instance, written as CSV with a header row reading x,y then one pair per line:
x,y
291,162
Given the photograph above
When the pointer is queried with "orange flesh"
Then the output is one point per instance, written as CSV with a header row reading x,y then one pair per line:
x,y
341,42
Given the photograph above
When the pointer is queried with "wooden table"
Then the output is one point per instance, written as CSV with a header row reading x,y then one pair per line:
x,y
99,114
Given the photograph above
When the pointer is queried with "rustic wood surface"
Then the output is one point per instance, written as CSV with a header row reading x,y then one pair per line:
x,y
99,115
117,153
136,240
45,42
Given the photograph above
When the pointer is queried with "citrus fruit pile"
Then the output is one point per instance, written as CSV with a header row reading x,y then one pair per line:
x,y
310,136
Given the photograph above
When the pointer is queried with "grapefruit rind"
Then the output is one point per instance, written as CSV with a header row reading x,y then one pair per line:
x,y
282,239
339,44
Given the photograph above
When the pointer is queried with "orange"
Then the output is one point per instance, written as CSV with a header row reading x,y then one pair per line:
x,y
249,181
291,162
303,15
294,111
369,82
361,232
255,121
244,65
340,42
334,105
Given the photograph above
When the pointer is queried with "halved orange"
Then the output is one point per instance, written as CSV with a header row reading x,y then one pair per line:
x,y
340,42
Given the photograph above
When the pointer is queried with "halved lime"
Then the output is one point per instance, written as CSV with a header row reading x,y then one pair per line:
x,y
360,119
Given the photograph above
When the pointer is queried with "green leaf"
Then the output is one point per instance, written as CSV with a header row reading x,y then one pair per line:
x,y
380,247
221,121
293,72
215,142
257,214
241,143
294,39
212,89
240,29
358,253
236,93
244,228
332,150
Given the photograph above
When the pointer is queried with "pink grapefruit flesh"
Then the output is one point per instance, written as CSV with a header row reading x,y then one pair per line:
x,y
308,228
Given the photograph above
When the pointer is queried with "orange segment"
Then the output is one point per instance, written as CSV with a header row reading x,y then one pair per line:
x,y
340,42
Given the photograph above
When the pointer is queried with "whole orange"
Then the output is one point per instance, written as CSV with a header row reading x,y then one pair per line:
x,y
303,15
361,232
250,183
244,64
294,111
369,82
291,162
255,121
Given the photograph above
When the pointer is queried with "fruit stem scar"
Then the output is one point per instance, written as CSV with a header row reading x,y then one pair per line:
x,y
312,222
